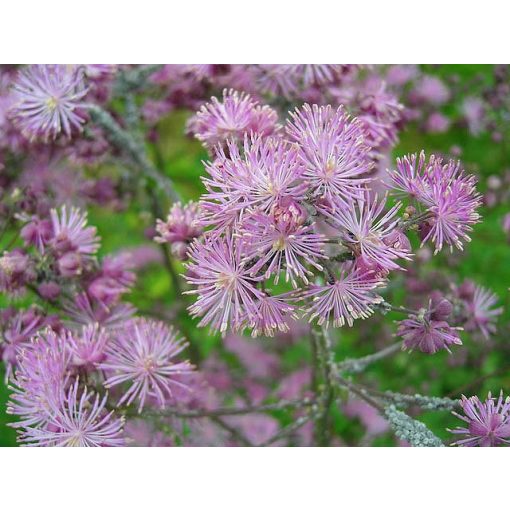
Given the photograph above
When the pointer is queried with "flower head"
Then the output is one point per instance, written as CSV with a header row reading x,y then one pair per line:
x,y
224,285
79,419
88,347
333,150
85,310
180,228
49,101
143,355
447,193
234,117
349,297
40,378
265,172
488,423
371,233
71,233
280,242
273,315
427,335
16,270
480,311
16,332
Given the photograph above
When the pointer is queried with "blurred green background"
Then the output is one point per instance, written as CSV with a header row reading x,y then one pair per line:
x,y
486,367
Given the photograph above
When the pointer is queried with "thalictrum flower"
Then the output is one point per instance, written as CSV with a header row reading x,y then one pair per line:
x,y
224,286
488,423
333,149
71,233
265,172
143,355
280,244
234,117
370,232
49,101
80,419
351,296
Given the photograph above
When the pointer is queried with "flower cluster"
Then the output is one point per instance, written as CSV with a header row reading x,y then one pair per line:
x,y
300,203
301,224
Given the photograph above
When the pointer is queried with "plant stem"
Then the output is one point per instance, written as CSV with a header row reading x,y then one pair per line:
x,y
124,141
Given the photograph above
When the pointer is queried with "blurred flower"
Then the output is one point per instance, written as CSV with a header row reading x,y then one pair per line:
x,y
71,233
488,422
180,228
79,420
258,363
429,90
84,310
479,308
16,270
427,335
16,330
49,101
88,346
40,378
37,232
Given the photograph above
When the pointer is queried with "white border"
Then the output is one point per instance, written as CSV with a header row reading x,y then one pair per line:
x,y
244,478
254,31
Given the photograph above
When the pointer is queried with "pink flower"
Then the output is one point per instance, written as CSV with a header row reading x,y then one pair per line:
x,y
349,297
49,101
233,118
79,419
142,354
370,232
224,285
488,423
333,149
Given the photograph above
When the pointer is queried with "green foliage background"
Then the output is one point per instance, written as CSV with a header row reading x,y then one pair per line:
x,y
485,260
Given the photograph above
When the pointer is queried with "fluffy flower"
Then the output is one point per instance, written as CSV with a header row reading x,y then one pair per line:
x,y
37,232
488,423
180,228
143,354
16,332
480,312
274,313
71,233
234,117
448,194
427,335
267,171
81,420
40,378
225,288
85,310
49,101
88,347
279,242
370,232
114,279
16,270
349,297
333,150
